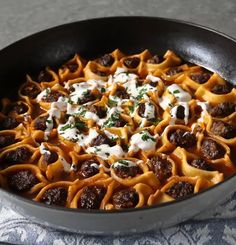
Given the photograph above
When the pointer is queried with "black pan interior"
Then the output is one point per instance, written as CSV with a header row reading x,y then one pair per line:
x,y
130,34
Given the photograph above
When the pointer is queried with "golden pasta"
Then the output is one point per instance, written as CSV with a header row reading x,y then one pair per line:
x,y
120,131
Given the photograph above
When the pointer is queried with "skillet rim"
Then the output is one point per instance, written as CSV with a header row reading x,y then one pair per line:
x,y
111,212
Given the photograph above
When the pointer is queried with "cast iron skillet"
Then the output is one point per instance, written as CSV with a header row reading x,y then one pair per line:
x,y
91,38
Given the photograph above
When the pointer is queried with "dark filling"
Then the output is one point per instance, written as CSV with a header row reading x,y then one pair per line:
x,y
8,123
6,140
212,150
106,60
45,76
89,96
155,60
99,110
86,170
127,198
141,111
91,197
221,88
40,123
52,96
201,164
173,71
180,112
19,155
55,196
30,90
72,67
100,73
200,77
161,167
180,190
102,139
50,158
19,108
122,93
22,181
182,138
132,62
223,129
125,171
222,110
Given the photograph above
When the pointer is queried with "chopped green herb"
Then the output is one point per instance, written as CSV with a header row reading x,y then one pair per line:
x,y
80,125
156,121
70,101
48,91
176,91
81,111
112,103
131,108
103,90
112,120
145,137
170,105
107,154
67,126
49,121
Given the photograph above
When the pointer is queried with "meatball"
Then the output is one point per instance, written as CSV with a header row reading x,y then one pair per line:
x,y
22,181
173,71
121,93
127,198
221,88
200,77
100,73
72,67
132,62
155,60
50,157
201,164
211,149
106,60
55,196
89,96
87,170
223,129
45,76
99,110
6,140
52,96
30,90
40,123
18,108
19,155
182,138
91,197
126,171
180,190
222,110
102,139
161,167
8,123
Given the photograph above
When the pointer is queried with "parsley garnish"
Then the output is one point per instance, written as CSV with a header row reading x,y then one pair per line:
x,y
170,105
49,121
67,126
80,125
131,108
112,120
111,103
103,90
146,137
156,121
176,91
81,111
70,101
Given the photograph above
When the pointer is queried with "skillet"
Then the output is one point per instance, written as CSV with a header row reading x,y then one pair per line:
x,y
92,38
